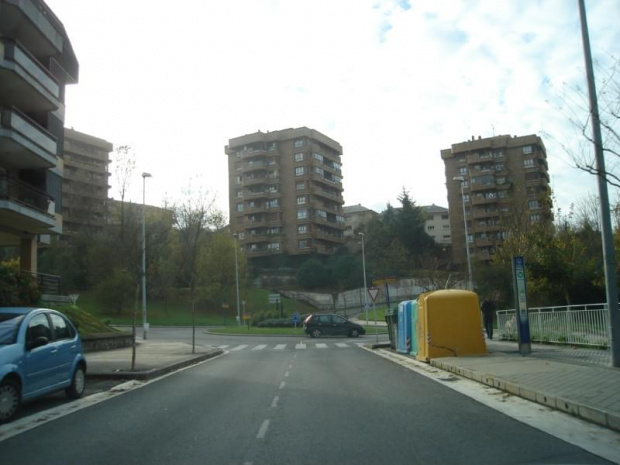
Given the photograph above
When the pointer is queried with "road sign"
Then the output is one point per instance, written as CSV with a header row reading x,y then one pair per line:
x,y
295,318
273,298
225,305
523,326
380,281
247,316
373,292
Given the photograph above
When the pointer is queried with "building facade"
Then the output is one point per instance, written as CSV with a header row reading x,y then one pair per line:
x,y
285,192
85,182
36,62
505,185
437,224
355,216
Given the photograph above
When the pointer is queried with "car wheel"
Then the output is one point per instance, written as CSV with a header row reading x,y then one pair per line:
x,y
78,384
316,332
10,399
355,332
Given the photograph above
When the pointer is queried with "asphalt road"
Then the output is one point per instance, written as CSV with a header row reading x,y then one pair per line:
x,y
319,405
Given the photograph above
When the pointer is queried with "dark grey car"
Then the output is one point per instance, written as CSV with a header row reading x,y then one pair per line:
x,y
329,324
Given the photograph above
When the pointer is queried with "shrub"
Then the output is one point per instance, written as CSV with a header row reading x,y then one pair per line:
x,y
275,323
17,288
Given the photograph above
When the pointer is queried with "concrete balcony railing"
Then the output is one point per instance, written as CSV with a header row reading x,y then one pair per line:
x,y
24,82
23,143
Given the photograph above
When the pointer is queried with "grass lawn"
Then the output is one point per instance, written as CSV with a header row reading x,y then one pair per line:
x,y
371,314
178,313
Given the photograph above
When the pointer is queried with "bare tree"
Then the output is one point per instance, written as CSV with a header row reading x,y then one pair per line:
x,y
193,217
123,173
573,104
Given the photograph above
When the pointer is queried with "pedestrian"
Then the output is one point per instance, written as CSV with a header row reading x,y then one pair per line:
x,y
488,310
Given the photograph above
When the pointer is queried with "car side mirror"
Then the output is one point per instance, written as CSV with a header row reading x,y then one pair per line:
x,y
39,342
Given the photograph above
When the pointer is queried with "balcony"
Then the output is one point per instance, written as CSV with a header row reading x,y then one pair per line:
x,y
23,143
24,207
482,200
24,83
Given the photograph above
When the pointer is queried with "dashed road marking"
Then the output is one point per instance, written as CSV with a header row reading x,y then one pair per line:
x,y
282,384
274,402
301,345
280,347
341,344
259,347
263,430
286,374
320,345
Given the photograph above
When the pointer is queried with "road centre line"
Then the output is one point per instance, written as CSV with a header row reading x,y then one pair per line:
x,y
290,366
263,430
282,384
286,374
274,402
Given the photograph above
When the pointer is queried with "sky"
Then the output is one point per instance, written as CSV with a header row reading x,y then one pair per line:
x,y
393,81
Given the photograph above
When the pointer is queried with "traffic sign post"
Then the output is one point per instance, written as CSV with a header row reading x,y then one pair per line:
x,y
374,292
296,319
523,322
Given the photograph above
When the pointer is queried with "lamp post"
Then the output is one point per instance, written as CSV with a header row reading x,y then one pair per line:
x,y
237,281
364,270
461,179
144,323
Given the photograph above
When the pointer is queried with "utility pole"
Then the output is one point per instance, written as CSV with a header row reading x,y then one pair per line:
x,y
609,257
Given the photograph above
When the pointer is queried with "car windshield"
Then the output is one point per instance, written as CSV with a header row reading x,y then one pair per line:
x,y
9,323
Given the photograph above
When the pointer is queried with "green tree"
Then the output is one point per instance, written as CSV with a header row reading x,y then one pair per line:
x,y
314,274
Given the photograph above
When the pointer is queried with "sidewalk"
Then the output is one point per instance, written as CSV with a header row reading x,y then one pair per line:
x,y
549,376
153,359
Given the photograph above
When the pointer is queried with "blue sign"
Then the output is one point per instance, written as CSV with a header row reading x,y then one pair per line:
x,y
295,318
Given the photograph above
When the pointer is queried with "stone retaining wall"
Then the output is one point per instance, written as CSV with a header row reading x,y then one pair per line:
x,y
106,341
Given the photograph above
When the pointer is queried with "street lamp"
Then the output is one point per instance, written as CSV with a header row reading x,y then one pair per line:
x,y
144,323
237,281
461,179
364,270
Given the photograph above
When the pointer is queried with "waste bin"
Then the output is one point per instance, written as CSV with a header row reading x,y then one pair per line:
x,y
391,318
406,342
448,325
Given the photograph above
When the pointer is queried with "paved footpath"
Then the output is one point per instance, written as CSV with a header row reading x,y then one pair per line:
x,y
586,390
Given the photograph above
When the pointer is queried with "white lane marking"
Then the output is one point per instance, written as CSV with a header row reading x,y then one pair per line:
x,y
321,345
247,463
286,374
295,356
223,347
263,430
23,425
282,384
279,347
359,344
274,403
301,345
241,347
260,347
590,437
290,366
341,344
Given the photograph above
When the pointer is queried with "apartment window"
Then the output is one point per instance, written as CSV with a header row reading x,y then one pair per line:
x,y
273,246
252,204
300,171
501,180
461,159
300,186
299,156
241,235
239,193
240,207
237,179
317,156
337,179
321,213
302,213
528,162
533,204
272,146
340,219
527,149
301,199
299,142
463,170
445,217
502,194
535,218
272,203
303,244
470,238
318,170
465,197
499,166
302,229
498,154
446,226
430,228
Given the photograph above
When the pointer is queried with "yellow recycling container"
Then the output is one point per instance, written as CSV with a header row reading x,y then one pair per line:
x,y
449,325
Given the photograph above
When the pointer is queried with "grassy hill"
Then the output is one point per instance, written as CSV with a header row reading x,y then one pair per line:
x,y
85,322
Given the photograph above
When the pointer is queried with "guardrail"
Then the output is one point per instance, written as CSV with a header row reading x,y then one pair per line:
x,y
584,325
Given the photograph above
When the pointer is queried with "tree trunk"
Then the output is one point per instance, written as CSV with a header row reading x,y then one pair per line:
x,y
133,329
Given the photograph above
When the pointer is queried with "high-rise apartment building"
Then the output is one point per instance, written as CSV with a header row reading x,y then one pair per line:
x,y
505,185
85,182
36,62
437,224
285,192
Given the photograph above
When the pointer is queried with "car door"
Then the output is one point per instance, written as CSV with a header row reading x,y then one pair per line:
x,y
340,326
325,324
66,342
40,362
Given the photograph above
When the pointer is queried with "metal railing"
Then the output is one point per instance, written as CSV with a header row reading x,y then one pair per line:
x,y
584,325
18,191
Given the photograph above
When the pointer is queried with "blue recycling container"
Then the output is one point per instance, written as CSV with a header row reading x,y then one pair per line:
x,y
406,341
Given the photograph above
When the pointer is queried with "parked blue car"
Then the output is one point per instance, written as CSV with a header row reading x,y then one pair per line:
x,y
40,352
